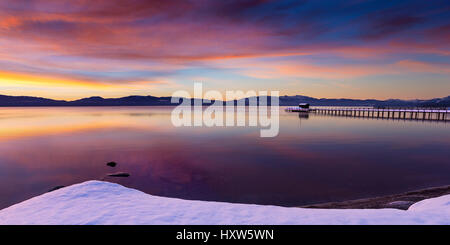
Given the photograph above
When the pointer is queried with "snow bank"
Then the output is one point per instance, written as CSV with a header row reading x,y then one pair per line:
x,y
97,202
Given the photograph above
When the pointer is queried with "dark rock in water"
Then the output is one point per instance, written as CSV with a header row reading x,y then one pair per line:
x,y
120,174
399,204
112,164
56,188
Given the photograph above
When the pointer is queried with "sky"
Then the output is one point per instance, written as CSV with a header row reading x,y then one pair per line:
x,y
69,49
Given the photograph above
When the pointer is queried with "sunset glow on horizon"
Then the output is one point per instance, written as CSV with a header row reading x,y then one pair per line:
x,y
325,49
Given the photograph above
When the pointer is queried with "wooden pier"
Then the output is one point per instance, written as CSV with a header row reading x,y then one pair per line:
x,y
436,114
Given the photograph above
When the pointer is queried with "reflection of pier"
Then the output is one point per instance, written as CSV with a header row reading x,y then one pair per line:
x,y
437,114
303,115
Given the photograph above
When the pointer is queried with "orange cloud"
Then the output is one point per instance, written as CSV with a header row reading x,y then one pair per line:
x,y
417,66
8,78
9,22
292,69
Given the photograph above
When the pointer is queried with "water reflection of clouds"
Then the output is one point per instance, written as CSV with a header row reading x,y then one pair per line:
x,y
325,159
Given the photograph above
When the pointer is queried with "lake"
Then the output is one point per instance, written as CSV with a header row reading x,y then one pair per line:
x,y
315,158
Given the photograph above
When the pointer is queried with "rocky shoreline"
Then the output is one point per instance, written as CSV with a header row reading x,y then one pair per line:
x,y
399,201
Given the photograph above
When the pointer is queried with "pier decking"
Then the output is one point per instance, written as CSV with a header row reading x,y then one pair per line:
x,y
439,114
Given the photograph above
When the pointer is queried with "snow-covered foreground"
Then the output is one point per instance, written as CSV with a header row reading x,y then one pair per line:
x,y
97,202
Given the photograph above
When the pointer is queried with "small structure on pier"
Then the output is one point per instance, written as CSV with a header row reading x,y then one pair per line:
x,y
303,105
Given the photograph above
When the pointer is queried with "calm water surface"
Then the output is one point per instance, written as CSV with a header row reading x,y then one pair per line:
x,y
314,159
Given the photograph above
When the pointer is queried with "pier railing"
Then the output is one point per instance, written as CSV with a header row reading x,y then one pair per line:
x,y
415,113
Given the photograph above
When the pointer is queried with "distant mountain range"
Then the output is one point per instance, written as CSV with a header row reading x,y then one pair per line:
x,y
164,101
